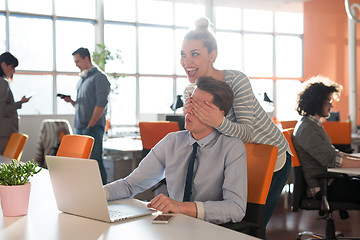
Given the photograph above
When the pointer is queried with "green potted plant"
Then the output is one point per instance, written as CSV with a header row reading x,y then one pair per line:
x,y
15,186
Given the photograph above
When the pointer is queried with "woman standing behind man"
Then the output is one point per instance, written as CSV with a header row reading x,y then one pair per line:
x,y
246,120
9,121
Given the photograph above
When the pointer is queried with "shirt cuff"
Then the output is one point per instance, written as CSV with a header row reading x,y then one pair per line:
x,y
200,210
338,160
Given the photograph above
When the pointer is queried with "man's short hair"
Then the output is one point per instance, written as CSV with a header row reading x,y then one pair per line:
x,y
83,52
311,99
221,92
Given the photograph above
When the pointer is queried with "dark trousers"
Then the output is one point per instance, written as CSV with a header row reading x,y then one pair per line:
x,y
97,132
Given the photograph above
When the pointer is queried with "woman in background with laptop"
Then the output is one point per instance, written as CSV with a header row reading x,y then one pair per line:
x,y
9,121
246,120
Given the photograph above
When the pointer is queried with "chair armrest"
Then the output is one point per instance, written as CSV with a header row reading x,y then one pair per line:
x,y
329,175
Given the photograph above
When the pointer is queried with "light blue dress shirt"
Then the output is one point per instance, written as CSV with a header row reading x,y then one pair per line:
x,y
220,174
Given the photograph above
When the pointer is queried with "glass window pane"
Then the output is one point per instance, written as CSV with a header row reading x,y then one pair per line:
x,y
258,20
78,8
288,56
31,42
66,84
260,87
193,12
159,99
2,34
123,38
286,94
70,35
156,50
258,55
229,51
33,6
122,105
120,10
39,87
181,84
228,18
287,22
2,4
158,12
179,38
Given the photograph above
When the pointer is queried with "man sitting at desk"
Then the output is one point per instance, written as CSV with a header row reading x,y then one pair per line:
x,y
217,191
313,145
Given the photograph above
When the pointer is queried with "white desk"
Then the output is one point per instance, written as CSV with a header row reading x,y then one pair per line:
x,y
350,171
45,222
121,156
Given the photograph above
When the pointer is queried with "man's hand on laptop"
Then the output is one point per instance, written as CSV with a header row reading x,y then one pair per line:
x,y
167,205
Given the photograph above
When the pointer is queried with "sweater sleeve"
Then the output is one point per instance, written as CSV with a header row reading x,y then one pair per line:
x,y
243,107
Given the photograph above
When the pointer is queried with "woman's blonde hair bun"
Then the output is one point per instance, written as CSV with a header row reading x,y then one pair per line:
x,y
202,24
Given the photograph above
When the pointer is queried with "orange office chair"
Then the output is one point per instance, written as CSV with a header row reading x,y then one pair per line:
x,y
15,146
152,132
77,146
261,161
339,134
288,124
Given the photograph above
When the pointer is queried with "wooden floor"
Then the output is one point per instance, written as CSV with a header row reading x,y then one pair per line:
x,y
285,224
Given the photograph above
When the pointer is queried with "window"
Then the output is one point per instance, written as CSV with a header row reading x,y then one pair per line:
x,y
258,55
70,35
33,6
42,34
156,50
39,87
32,51
120,10
2,34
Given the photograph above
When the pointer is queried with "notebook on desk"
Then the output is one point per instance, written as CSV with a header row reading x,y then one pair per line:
x,y
78,190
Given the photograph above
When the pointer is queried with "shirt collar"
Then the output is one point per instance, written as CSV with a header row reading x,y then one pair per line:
x,y
314,119
205,140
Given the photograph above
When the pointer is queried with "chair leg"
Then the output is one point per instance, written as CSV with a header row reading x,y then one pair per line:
x,y
330,228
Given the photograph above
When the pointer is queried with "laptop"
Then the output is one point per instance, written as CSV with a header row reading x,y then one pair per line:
x,y
79,191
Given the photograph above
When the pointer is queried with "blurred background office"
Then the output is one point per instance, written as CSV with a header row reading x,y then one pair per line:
x,y
276,43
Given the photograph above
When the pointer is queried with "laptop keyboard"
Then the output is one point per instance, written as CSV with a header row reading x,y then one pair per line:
x,y
116,214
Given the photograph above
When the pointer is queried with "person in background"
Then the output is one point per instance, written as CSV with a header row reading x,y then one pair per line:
x,y
313,145
9,120
246,120
93,90
217,192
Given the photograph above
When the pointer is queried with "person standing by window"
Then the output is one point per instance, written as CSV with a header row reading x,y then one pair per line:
x,y
90,106
246,120
9,120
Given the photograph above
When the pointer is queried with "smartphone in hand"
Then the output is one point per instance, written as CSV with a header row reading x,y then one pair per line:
x,y
62,95
162,218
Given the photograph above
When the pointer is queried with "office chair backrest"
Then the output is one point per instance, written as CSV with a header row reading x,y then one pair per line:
x,y
288,124
77,146
152,132
338,132
15,146
261,161
288,133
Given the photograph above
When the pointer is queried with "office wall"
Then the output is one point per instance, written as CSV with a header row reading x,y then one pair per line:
x,y
30,125
326,46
